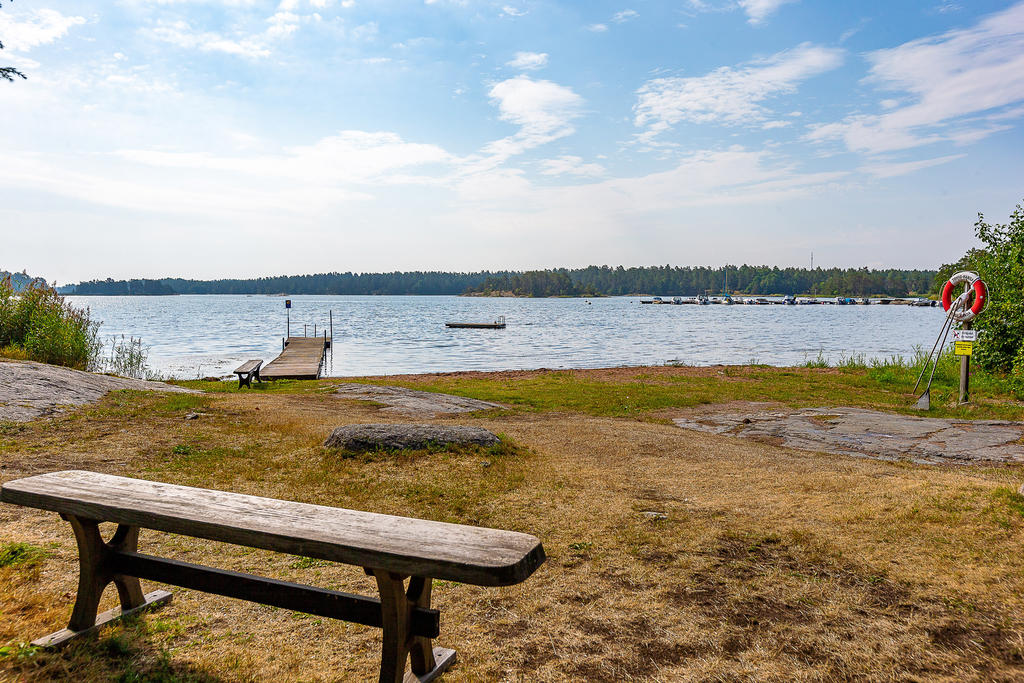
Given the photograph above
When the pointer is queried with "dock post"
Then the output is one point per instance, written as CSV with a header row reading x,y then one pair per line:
x,y
330,313
304,326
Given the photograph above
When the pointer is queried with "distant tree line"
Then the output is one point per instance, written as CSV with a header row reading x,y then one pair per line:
x,y
123,288
589,281
416,282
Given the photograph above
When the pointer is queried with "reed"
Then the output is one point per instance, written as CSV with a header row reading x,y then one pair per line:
x,y
37,323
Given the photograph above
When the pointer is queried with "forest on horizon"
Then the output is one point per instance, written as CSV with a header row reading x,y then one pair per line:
x,y
590,281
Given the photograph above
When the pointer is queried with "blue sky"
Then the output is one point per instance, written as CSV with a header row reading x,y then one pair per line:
x,y
208,138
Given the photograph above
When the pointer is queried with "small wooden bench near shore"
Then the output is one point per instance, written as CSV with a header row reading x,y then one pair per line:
x,y
389,548
247,370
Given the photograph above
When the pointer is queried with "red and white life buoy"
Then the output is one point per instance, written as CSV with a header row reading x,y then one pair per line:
x,y
964,314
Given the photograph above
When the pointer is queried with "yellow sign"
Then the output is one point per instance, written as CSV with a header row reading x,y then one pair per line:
x,y
963,348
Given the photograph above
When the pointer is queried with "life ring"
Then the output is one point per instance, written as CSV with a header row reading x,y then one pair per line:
x,y
964,314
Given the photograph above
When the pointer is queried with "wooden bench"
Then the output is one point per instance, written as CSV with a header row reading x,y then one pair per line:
x,y
391,549
246,371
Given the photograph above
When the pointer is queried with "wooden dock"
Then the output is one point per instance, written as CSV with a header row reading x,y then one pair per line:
x,y
301,358
498,324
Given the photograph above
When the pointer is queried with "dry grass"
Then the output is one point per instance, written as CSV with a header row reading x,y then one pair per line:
x,y
771,564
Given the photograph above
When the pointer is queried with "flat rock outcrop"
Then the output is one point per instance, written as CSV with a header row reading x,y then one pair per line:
x,y
413,402
29,390
870,433
372,437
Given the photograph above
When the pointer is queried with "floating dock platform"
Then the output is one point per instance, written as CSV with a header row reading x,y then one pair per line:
x,y
498,324
301,358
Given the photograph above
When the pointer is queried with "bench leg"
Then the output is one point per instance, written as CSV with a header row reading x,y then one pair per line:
x,y
427,662
94,576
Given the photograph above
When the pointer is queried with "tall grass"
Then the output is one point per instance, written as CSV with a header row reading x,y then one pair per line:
x,y
129,358
899,371
37,323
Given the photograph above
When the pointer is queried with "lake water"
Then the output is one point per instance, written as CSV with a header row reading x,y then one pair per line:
x,y
197,336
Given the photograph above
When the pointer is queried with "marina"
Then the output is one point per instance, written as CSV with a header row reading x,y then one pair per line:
x,y
790,300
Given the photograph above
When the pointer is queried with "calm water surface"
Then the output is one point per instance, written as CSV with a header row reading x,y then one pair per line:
x,y
197,336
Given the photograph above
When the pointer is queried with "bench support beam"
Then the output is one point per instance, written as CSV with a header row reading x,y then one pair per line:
x,y
320,602
401,643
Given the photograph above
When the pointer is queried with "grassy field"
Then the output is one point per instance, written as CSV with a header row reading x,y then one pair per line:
x,y
763,563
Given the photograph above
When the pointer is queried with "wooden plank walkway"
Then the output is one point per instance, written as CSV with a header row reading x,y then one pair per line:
x,y
302,358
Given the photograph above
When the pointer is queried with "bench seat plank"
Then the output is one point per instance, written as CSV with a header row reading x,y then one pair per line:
x,y
248,366
415,547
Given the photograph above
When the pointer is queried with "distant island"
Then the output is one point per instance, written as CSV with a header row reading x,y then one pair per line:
x,y
591,281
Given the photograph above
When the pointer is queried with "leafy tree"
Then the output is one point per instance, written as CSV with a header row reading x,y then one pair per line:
x,y
9,72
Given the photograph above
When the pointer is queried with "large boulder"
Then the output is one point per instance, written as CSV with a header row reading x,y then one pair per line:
x,y
372,437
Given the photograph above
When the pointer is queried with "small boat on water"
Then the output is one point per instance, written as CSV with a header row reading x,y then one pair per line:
x,y
789,300
498,324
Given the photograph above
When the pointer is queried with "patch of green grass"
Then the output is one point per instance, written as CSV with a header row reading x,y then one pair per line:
x,y
199,461
175,403
886,385
14,554
116,646
505,448
19,651
1006,507
308,563
278,386
11,428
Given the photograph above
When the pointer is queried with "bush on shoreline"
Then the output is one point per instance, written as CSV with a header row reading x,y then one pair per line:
x,y
36,323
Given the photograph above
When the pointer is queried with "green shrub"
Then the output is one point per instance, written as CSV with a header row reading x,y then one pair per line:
x,y
38,322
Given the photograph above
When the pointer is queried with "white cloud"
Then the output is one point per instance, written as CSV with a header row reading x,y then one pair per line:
x,y
529,60
280,25
889,169
543,111
624,16
758,10
958,84
181,34
23,32
597,28
729,95
510,11
571,165
349,157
